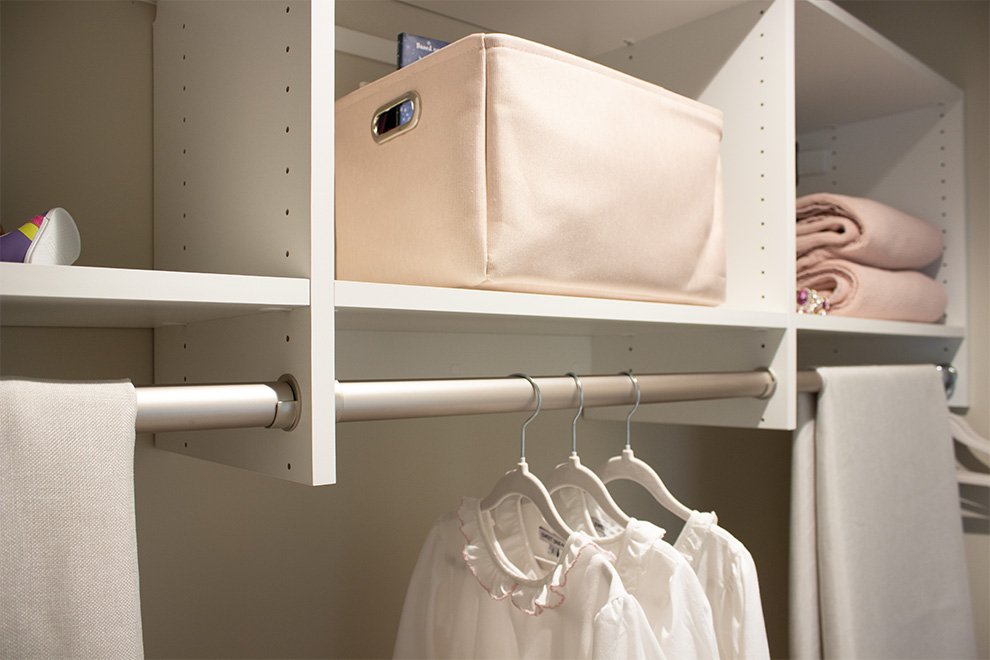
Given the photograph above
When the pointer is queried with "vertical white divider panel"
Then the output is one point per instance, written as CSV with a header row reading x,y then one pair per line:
x,y
321,398
244,184
232,137
755,90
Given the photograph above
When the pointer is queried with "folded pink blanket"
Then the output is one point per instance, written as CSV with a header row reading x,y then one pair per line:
x,y
863,291
862,230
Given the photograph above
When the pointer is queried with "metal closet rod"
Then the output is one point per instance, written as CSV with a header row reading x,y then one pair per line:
x,y
205,407
276,404
376,400
811,380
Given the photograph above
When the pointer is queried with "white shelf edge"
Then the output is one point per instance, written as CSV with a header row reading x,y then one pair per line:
x,y
35,294
355,298
839,324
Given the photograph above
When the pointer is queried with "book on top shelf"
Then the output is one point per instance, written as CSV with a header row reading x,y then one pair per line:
x,y
412,48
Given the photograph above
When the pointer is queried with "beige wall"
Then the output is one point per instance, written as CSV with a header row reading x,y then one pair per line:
x,y
234,564
77,125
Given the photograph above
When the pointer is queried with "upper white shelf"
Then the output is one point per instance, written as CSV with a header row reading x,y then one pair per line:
x,y
832,85
82,296
373,306
589,30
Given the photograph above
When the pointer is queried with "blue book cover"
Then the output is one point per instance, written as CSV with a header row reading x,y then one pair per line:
x,y
412,48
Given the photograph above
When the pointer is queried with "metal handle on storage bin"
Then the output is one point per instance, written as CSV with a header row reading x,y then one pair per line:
x,y
396,117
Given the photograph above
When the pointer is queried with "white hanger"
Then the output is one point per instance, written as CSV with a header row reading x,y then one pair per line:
x,y
572,473
520,481
964,433
627,466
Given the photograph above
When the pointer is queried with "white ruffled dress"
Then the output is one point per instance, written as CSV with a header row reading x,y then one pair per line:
x,y
724,568
467,599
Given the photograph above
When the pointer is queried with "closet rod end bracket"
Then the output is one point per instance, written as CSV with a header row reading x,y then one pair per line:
x,y
771,383
288,408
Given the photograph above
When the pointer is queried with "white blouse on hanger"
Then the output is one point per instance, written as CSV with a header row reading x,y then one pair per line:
x,y
466,599
653,571
724,567
728,575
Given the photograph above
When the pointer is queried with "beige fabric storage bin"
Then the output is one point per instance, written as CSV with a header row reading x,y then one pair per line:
x,y
523,168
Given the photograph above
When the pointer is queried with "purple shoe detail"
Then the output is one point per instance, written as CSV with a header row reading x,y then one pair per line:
x,y
13,246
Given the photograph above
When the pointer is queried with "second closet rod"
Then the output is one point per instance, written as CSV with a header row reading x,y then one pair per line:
x,y
376,400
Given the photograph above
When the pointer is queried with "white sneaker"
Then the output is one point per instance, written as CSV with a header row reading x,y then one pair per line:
x,y
46,239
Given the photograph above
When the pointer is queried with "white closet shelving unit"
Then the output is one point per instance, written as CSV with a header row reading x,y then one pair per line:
x,y
244,287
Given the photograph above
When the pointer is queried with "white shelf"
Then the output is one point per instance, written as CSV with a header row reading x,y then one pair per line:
x,y
392,307
842,324
82,296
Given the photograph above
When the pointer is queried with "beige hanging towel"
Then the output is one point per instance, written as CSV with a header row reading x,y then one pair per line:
x,y
69,583
878,566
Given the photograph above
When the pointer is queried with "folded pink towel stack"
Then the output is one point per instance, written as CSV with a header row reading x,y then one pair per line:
x,y
864,257
866,292
865,231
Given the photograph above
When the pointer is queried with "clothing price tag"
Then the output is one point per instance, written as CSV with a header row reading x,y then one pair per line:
x,y
604,527
555,545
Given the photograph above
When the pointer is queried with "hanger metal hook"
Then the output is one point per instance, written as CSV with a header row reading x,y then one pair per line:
x,y
580,389
636,407
539,404
948,373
